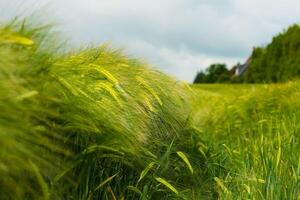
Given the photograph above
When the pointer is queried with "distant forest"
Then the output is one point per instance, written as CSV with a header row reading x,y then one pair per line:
x,y
278,61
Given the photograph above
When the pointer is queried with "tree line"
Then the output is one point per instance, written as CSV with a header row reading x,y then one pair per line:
x,y
278,61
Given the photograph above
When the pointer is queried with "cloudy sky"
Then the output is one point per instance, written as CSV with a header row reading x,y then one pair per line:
x,y
179,37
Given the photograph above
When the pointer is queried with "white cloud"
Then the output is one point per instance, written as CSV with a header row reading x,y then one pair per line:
x,y
179,36
187,63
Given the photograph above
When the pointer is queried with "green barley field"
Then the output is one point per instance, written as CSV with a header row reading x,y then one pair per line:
x,y
92,123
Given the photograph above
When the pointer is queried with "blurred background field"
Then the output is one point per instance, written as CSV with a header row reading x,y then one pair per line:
x,y
253,132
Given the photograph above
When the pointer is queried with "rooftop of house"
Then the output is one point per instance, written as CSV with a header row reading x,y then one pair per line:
x,y
239,69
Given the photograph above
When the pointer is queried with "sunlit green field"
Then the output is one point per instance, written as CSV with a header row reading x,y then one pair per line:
x,y
94,124
251,132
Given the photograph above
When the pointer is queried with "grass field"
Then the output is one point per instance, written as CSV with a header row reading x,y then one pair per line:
x,y
252,132
95,124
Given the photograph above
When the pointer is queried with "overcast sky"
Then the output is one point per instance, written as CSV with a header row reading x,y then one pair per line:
x,y
179,37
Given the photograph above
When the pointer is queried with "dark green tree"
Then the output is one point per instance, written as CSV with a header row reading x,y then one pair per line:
x,y
279,61
215,73
200,77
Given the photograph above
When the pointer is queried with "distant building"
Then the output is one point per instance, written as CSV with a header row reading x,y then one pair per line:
x,y
239,69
